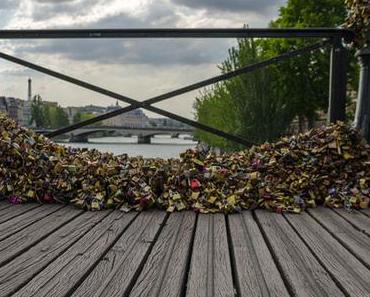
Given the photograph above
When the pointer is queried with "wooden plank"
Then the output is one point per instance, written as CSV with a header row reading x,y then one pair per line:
x,y
300,269
354,240
62,276
348,271
164,273
115,272
255,270
4,205
19,242
366,211
210,269
18,272
16,210
20,222
357,220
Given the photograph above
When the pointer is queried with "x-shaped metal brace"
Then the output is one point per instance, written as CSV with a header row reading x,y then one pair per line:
x,y
148,104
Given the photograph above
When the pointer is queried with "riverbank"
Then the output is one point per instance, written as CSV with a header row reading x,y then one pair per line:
x,y
160,147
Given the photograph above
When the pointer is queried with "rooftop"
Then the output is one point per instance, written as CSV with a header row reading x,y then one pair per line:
x,y
56,250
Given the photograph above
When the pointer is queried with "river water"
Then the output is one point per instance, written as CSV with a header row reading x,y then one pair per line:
x,y
160,147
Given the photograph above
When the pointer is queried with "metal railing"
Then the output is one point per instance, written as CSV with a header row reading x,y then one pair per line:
x,y
332,37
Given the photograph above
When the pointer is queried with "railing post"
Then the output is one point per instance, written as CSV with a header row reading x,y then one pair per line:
x,y
362,117
337,82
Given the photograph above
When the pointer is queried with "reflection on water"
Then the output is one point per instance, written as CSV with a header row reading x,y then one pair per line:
x,y
160,147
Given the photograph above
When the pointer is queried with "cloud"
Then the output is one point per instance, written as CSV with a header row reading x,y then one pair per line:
x,y
133,51
136,67
44,10
8,4
148,52
54,1
259,6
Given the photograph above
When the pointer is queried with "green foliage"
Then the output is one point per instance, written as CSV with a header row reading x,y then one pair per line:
x,y
37,112
215,108
80,117
249,105
308,75
311,13
262,109
260,105
77,118
47,116
57,117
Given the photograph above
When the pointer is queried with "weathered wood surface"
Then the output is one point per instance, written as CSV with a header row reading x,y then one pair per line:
x,y
356,219
354,240
63,275
16,224
17,243
350,274
117,270
256,271
303,273
4,204
366,212
210,270
166,267
18,272
15,210
52,250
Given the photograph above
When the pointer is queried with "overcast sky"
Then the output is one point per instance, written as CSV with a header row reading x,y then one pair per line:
x,y
133,67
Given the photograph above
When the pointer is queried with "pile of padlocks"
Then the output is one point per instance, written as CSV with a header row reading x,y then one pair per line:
x,y
329,165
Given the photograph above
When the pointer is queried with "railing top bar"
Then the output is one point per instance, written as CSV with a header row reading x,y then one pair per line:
x,y
178,33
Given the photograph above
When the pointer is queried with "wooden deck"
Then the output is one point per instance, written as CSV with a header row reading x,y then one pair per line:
x,y
54,250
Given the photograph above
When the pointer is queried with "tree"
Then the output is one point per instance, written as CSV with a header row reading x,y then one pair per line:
x,y
214,107
47,116
77,118
297,87
37,112
306,79
57,117
83,116
263,112
249,105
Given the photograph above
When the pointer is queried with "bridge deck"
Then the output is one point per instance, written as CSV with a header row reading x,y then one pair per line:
x,y
55,250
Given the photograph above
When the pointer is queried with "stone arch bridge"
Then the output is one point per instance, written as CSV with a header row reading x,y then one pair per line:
x,y
144,134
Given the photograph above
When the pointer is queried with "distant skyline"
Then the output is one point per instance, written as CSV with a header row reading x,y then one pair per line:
x,y
136,68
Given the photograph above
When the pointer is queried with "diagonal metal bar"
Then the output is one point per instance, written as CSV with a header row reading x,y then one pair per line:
x,y
134,104
231,74
146,104
156,99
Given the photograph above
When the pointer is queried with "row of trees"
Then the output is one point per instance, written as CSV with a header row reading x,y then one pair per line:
x,y
47,116
261,105
84,116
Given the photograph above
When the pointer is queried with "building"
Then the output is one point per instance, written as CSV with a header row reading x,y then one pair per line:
x,y
3,105
132,119
14,108
71,112
167,122
27,113
94,109
50,103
